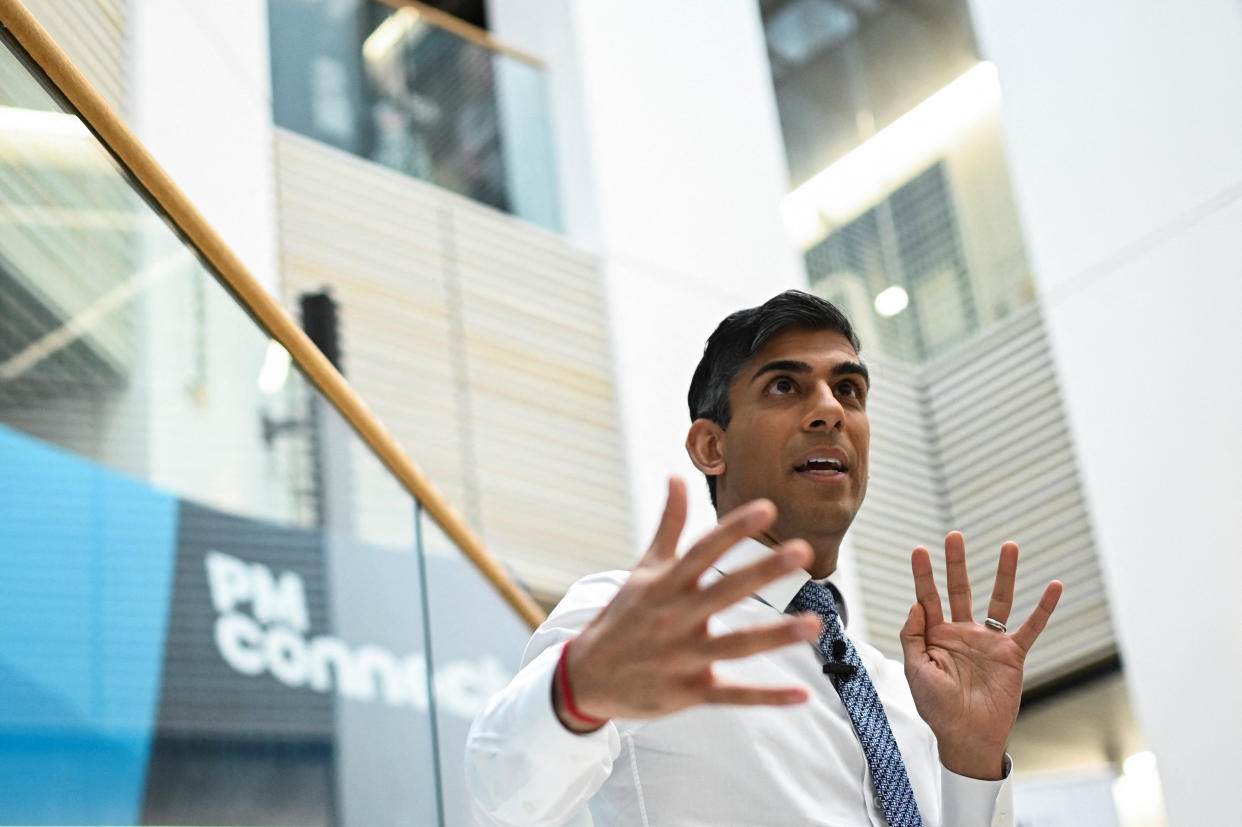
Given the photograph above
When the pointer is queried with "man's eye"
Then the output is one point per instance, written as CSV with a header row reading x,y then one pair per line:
x,y
783,386
848,389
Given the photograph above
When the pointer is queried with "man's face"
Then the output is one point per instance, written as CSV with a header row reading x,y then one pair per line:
x,y
799,435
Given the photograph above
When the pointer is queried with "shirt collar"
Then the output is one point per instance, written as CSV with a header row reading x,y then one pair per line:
x,y
780,592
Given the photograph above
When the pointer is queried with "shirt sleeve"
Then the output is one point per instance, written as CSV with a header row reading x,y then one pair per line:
x,y
523,767
973,802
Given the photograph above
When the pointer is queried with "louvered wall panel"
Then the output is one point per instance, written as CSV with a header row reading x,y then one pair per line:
x,y
1010,473
481,342
904,505
977,440
93,34
542,401
376,243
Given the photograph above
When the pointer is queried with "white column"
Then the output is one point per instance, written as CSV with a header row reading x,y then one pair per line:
x,y
1123,122
200,100
673,169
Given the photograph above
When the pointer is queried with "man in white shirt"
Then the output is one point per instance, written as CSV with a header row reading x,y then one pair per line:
x,y
684,692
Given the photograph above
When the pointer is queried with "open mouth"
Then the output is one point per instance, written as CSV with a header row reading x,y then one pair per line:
x,y
822,467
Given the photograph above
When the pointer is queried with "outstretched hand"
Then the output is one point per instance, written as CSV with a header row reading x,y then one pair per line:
x,y
966,678
648,652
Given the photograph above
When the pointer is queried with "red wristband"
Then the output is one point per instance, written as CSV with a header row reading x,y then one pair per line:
x,y
567,695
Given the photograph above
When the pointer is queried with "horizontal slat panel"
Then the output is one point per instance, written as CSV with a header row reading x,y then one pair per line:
x,y
977,352
481,342
93,34
537,350
999,453
1035,434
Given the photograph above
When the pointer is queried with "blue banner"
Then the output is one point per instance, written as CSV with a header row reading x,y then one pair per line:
x,y
86,557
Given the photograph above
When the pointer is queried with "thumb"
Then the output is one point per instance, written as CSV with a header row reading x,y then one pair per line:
x,y
913,642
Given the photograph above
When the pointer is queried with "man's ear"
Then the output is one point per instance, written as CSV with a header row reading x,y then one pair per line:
x,y
705,445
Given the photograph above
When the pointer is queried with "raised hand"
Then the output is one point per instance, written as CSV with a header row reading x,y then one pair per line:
x,y
648,652
966,677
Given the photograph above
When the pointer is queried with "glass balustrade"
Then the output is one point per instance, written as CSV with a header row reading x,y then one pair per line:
x,y
385,81
218,606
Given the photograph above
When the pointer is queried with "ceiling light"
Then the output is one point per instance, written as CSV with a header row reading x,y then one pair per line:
x,y
891,301
275,368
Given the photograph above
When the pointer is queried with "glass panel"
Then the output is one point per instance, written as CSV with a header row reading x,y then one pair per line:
x,y
929,253
843,69
909,244
893,131
212,610
387,84
476,649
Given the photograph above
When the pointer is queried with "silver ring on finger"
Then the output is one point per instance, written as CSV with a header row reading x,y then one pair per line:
x,y
993,623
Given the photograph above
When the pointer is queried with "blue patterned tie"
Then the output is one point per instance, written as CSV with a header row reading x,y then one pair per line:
x,y
857,692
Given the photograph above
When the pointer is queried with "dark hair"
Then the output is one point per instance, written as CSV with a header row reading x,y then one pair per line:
x,y
740,336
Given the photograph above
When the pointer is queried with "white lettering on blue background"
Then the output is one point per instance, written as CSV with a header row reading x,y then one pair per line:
x,y
272,639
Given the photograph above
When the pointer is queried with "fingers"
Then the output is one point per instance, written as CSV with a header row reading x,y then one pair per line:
x,y
913,641
738,524
1026,635
725,693
1006,575
925,587
731,588
664,545
804,627
957,577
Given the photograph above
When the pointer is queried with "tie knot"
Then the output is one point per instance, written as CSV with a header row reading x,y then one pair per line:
x,y
813,597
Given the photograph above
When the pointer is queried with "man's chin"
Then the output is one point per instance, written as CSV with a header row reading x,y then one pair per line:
x,y
821,520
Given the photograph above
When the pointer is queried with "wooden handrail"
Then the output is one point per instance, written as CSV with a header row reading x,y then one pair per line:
x,y
125,147
464,30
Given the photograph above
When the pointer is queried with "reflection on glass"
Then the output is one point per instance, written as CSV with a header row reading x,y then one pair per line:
x,y
909,242
213,603
843,70
904,274
387,84
893,133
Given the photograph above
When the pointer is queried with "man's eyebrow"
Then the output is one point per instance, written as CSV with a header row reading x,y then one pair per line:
x,y
782,366
795,366
853,367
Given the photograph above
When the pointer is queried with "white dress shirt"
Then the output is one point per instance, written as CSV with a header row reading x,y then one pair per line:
x,y
709,765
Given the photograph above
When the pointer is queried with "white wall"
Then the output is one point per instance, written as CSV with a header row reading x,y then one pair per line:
x,y
1123,122
667,130
200,100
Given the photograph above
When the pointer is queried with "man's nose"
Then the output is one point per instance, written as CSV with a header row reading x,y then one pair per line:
x,y
824,410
